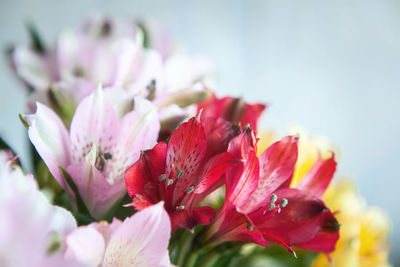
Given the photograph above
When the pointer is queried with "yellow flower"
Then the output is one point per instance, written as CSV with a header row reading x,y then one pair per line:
x,y
364,230
363,233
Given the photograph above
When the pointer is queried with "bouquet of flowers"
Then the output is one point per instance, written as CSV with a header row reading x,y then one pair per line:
x,y
137,162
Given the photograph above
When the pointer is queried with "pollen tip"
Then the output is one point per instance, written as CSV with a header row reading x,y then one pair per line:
x,y
162,177
190,189
271,206
180,207
170,181
273,198
107,155
284,202
179,174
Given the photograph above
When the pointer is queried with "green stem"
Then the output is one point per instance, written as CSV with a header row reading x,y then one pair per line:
x,y
184,248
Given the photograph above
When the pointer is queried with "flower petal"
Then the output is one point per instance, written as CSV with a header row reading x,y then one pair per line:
x,y
186,151
139,131
219,133
242,180
191,218
32,68
141,240
326,239
298,222
95,122
276,166
50,138
86,245
141,178
318,178
98,195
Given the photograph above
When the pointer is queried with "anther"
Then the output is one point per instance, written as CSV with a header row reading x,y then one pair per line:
x,y
179,174
162,177
170,181
273,198
180,207
107,155
284,202
246,126
250,227
271,206
190,189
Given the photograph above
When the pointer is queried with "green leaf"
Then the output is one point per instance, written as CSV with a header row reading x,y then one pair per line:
x,y
63,106
82,209
36,41
146,39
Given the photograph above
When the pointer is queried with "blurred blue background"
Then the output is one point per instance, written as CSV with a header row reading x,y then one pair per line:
x,y
332,67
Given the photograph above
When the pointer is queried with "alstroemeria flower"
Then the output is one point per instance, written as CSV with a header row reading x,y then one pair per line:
x,y
31,228
183,171
259,206
114,53
101,143
140,240
232,109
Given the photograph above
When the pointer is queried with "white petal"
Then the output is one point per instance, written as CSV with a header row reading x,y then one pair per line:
x,y
32,68
141,240
50,138
86,245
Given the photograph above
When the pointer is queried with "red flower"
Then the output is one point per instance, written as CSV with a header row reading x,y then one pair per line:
x,y
232,109
259,207
184,171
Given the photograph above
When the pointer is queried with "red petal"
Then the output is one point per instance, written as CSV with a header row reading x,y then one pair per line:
x,y
276,166
141,178
326,239
318,177
240,146
191,218
186,151
213,171
241,180
232,109
251,114
298,222
219,133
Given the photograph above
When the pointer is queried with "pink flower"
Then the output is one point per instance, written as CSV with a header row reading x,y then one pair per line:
x,y
112,52
140,240
259,207
103,140
31,228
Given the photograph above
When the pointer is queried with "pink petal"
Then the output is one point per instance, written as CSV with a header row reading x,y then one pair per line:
x,y
98,195
50,138
86,245
318,178
139,131
141,240
95,122
276,166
